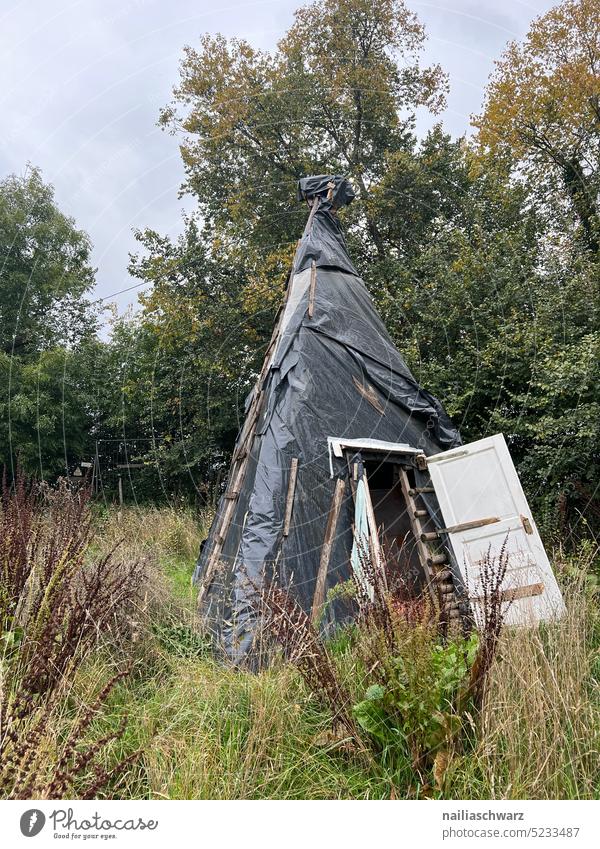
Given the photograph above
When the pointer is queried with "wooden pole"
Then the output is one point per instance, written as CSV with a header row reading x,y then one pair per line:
x,y
374,533
289,503
119,512
311,291
332,520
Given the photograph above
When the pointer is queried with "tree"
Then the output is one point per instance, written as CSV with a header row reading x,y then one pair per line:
x,y
45,409
480,282
45,422
190,357
504,331
340,90
542,109
45,269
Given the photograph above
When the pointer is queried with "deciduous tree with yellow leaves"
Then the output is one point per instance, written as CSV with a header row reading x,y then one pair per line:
x,y
542,110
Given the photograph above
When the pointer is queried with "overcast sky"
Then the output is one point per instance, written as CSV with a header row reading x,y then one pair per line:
x,y
82,84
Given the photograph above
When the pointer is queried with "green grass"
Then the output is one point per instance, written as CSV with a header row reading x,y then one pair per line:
x,y
209,731
206,730
178,570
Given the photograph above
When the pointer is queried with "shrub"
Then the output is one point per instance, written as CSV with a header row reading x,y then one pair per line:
x,y
417,688
56,606
417,709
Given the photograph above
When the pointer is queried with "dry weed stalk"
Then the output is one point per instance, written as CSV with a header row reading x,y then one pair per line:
x,y
490,622
286,621
374,607
56,604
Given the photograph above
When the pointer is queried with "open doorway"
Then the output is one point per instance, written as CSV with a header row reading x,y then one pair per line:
x,y
405,573
395,520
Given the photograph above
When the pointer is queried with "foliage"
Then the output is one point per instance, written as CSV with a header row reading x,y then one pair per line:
x,y
193,352
476,274
46,421
46,324
415,710
55,607
341,89
45,269
181,640
542,109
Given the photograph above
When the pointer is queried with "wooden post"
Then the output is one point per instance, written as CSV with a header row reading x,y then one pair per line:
x,y
289,503
245,440
374,533
332,520
311,291
120,498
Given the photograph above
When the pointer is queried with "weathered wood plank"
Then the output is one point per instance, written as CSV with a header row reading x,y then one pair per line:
x,y
374,532
467,526
514,593
289,502
330,529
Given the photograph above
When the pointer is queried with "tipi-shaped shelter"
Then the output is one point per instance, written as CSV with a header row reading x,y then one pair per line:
x,y
336,443
331,371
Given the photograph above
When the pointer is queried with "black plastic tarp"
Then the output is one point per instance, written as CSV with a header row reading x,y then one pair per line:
x,y
333,374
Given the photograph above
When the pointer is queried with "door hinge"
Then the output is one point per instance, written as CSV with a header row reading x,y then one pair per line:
x,y
526,524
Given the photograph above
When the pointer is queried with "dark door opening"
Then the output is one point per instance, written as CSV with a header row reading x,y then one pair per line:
x,y
404,571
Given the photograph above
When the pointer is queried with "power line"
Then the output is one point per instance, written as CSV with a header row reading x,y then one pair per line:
x,y
120,292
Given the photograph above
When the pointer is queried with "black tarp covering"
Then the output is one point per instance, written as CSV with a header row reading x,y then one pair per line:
x,y
324,241
336,374
341,192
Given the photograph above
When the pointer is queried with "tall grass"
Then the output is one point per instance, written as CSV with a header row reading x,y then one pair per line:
x,y
56,607
219,734
540,727
161,532
167,538
205,730
209,731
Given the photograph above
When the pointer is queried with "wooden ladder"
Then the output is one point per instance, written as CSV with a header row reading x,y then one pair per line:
x,y
430,550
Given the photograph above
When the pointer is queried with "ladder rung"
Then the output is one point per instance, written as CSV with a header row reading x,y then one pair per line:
x,y
421,514
420,490
437,559
442,575
431,536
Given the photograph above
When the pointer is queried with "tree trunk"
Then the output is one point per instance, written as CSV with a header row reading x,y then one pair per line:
x,y
372,227
582,198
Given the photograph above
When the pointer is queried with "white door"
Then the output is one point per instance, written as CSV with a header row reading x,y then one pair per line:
x,y
484,508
